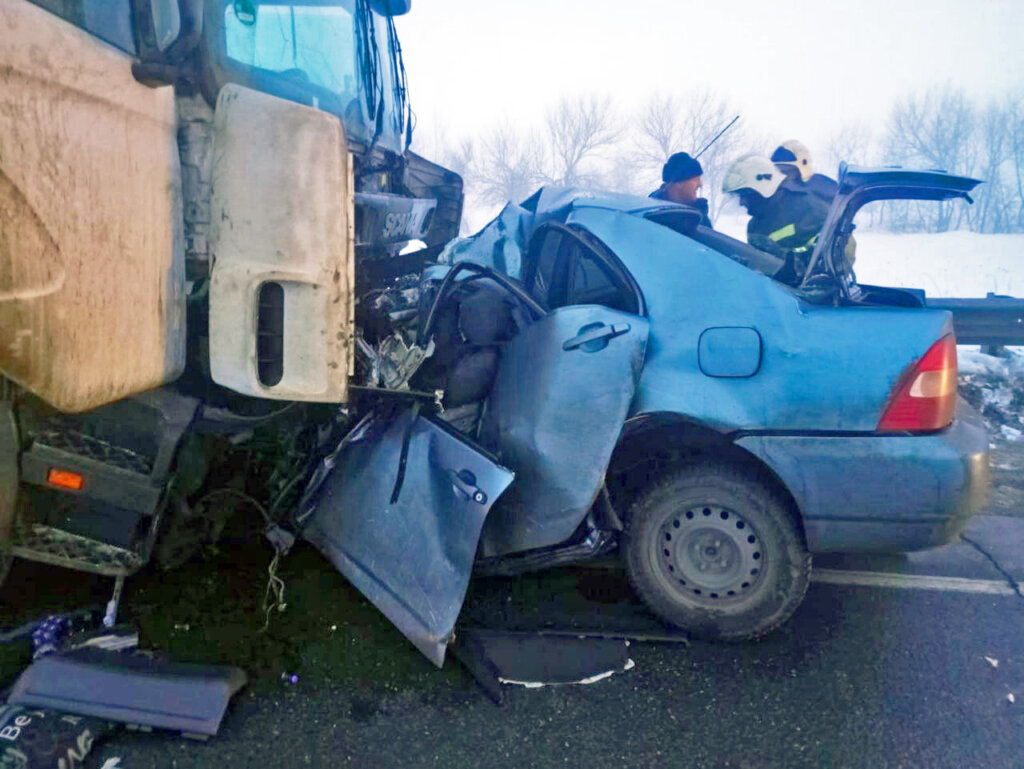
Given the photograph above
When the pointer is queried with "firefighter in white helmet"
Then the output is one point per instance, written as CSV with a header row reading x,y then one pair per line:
x,y
794,160
783,221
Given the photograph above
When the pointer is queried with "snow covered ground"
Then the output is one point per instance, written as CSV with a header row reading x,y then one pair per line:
x,y
960,264
995,386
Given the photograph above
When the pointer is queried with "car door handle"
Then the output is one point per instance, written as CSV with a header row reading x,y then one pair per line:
x,y
594,334
464,482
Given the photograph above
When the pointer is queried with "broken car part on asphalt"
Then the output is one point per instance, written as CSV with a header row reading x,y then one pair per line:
x,y
128,688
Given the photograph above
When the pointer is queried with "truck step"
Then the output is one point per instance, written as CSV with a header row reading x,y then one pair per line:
x,y
46,544
78,444
109,473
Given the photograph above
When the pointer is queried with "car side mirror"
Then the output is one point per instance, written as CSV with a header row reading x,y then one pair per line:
x,y
167,31
245,12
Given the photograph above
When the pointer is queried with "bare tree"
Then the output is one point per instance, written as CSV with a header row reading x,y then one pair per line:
x,y
934,127
687,123
578,129
852,144
510,165
621,175
1014,116
993,200
660,131
460,158
932,130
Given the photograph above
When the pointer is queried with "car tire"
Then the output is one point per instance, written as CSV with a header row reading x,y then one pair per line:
x,y
713,550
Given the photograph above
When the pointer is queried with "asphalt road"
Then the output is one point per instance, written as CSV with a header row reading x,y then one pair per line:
x,y
863,676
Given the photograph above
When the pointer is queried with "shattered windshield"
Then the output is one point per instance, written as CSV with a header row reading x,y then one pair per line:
x,y
308,43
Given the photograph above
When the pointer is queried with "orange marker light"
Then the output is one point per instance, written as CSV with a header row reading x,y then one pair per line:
x,y
65,479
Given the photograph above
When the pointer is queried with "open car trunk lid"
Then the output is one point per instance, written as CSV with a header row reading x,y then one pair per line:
x,y
859,186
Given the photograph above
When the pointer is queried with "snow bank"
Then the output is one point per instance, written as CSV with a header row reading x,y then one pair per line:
x,y
961,264
995,387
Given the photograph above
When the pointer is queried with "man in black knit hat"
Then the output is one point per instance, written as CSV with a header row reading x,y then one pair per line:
x,y
681,181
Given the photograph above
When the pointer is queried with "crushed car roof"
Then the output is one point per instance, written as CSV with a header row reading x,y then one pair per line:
x,y
551,201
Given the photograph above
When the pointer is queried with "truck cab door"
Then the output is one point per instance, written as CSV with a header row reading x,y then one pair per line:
x,y
398,510
563,390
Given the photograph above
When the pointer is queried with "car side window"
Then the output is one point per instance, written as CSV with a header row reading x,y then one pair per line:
x,y
546,256
583,276
593,282
563,268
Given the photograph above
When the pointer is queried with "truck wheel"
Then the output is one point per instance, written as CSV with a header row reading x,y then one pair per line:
x,y
714,551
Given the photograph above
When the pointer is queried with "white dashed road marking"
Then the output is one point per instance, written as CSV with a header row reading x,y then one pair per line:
x,y
911,581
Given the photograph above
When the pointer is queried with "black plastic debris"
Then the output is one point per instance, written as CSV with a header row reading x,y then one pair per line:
x,y
134,689
497,657
33,738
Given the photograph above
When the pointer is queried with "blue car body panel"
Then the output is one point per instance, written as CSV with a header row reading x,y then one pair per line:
x,y
562,392
729,351
882,493
816,372
400,516
502,244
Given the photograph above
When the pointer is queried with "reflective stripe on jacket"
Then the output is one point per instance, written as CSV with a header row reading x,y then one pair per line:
x,y
787,222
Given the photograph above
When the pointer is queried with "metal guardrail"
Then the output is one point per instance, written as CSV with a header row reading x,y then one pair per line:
x,y
992,321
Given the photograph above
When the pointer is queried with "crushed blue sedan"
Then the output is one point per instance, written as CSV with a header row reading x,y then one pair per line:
x,y
593,372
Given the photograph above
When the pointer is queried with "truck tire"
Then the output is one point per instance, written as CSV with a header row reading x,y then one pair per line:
x,y
713,550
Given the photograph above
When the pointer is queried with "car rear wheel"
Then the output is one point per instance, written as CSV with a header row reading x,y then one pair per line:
x,y
714,550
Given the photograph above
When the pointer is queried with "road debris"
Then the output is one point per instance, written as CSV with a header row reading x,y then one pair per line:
x,y
134,689
533,660
32,738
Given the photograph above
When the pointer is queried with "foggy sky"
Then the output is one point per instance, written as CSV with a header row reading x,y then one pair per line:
x,y
794,69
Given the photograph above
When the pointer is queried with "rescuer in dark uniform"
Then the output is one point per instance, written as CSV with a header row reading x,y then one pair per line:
x,y
681,181
784,221
794,160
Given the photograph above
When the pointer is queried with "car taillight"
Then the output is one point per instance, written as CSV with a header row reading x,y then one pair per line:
x,y
925,395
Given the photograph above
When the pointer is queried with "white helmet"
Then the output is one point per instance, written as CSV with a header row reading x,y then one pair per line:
x,y
793,153
753,172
